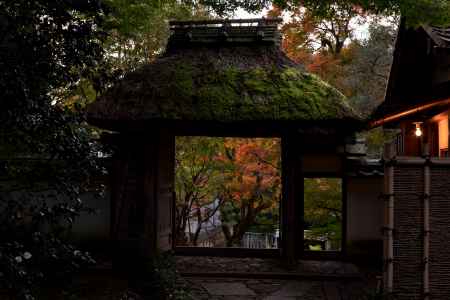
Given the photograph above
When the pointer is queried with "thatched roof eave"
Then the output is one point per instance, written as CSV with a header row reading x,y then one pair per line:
x,y
237,129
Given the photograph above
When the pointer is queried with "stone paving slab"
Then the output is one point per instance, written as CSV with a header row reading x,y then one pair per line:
x,y
279,298
205,264
228,289
333,282
331,289
251,289
296,288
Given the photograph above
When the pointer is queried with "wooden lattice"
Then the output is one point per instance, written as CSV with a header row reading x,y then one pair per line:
x,y
225,31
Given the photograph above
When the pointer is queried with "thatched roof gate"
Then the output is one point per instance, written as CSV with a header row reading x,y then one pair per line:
x,y
217,78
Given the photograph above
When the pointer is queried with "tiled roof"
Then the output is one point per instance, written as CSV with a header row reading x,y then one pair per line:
x,y
364,167
441,36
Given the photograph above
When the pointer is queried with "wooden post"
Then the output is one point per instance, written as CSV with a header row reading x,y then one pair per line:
x,y
292,200
142,197
126,198
165,188
118,186
426,223
389,157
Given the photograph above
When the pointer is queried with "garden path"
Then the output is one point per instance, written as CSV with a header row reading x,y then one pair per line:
x,y
216,278
275,289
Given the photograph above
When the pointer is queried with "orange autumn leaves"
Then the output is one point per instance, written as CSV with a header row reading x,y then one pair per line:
x,y
323,45
232,169
237,178
252,170
251,188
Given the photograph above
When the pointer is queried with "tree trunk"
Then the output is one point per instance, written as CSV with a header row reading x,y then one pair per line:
x,y
227,235
198,229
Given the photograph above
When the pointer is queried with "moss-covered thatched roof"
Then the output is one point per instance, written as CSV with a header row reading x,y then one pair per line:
x,y
223,84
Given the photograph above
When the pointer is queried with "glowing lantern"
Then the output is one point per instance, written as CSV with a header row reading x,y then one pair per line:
x,y
418,129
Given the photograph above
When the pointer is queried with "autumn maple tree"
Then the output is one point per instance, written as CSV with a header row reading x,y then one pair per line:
x,y
330,46
238,179
198,178
252,186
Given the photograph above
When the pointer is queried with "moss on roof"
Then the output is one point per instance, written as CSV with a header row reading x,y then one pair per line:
x,y
222,84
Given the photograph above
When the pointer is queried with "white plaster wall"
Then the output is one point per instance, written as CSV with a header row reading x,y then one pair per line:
x,y
89,227
364,209
321,163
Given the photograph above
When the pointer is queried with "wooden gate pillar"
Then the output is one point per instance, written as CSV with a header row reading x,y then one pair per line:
x,y
142,189
292,199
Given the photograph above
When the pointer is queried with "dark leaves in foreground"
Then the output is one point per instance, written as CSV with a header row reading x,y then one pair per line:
x,y
48,158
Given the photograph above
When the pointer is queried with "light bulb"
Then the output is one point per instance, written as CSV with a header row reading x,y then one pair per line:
x,y
418,131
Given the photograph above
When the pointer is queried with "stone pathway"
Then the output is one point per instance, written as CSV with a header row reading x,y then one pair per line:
x,y
273,289
218,278
202,264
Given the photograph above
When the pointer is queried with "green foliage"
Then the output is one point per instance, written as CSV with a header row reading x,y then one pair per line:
x,y
47,155
160,280
157,279
198,177
138,30
166,278
323,207
416,12
375,140
228,7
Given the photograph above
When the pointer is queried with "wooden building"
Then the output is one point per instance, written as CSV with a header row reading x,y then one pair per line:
x,y
217,78
417,167
417,99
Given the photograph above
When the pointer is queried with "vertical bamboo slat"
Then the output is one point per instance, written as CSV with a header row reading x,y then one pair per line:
x,y
389,156
420,265
426,225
